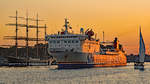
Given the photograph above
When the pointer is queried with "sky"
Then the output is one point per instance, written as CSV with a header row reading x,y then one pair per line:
x,y
117,18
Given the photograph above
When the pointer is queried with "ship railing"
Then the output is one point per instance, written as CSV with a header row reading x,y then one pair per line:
x,y
107,42
110,50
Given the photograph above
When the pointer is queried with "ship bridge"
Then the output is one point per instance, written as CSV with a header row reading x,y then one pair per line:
x,y
65,42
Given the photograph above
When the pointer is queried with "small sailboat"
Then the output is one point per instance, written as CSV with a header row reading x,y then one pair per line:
x,y
139,64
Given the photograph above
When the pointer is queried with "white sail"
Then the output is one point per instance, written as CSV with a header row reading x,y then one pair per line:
x,y
141,48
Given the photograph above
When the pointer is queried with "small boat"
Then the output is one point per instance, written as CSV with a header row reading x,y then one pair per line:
x,y
139,64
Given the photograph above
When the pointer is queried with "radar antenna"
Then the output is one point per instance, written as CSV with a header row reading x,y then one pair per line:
x,y
67,26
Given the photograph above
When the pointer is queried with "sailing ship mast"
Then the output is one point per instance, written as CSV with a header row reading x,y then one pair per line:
x,y
27,26
16,34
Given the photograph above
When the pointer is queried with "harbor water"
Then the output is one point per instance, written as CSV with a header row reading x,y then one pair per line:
x,y
50,75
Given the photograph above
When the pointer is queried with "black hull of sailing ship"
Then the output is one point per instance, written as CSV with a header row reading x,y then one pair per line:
x,y
12,59
15,61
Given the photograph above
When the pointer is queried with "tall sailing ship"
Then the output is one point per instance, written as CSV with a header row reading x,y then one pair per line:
x,y
81,50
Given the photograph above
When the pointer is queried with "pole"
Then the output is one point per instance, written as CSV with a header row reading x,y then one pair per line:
x,y
45,40
37,30
27,58
96,36
103,37
16,33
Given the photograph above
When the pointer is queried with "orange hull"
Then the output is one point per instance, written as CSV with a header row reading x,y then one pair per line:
x,y
109,60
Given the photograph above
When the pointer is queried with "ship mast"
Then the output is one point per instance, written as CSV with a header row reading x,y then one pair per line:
x,y
45,40
27,37
16,34
66,26
37,32
103,37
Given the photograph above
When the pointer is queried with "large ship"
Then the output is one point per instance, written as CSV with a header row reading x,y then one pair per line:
x,y
71,50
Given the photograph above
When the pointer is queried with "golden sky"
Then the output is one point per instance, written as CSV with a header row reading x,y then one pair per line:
x,y
118,18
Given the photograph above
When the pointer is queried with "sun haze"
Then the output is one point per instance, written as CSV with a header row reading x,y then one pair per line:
x,y
117,18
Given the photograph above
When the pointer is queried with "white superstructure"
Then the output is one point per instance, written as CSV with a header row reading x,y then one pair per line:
x,y
70,47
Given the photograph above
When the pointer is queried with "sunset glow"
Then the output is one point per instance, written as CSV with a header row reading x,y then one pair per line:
x,y
117,18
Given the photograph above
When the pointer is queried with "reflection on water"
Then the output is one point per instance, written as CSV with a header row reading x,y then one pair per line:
x,y
47,75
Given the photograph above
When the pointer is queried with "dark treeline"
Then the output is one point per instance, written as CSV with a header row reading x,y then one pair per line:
x,y
133,58
22,52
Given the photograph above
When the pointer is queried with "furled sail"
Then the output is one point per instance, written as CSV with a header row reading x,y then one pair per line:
x,y
141,48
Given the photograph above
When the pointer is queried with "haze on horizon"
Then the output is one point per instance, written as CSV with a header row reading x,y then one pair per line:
x,y
118,18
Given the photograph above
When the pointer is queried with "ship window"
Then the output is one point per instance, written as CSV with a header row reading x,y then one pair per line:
x,y
65,41
75,36
69,41
50,41
58,41
72,41
54,41
77,41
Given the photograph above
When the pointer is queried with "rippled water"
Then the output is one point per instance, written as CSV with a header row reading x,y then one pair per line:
x,y
47,75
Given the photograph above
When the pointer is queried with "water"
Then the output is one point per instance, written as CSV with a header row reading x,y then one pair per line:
x,y
48,75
